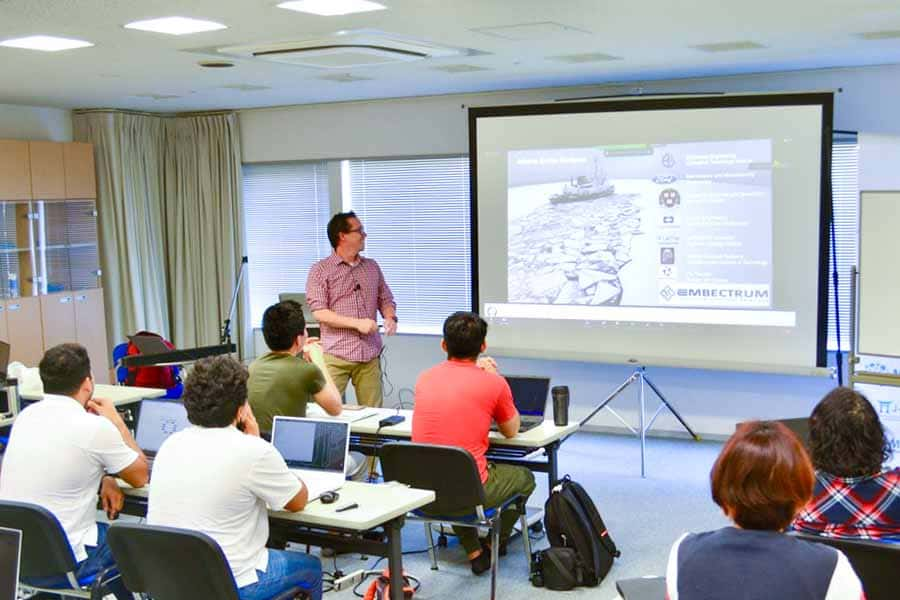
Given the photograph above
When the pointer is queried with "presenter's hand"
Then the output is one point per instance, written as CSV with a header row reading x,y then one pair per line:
x,y
390,327
488,364
248,421
313,353
111,497
105,408
366,326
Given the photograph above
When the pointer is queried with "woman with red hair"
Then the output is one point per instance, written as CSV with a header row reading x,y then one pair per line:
x,y
761,480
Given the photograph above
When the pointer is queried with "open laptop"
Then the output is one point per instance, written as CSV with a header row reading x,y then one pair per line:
x,y
10,556
530,397
157,420
315,450
149,344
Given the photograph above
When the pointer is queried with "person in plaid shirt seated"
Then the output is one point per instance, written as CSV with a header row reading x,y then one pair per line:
x,y
854,496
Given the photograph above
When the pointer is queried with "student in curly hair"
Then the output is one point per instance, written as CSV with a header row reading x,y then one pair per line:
x,y
761,480
218,476
855,496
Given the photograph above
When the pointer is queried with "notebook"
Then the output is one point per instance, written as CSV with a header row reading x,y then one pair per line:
x,y
315,450
10,556
157,420
530,397
149,344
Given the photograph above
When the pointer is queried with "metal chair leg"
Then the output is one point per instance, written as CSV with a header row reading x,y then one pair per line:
x,y
432,553
526,538
495,553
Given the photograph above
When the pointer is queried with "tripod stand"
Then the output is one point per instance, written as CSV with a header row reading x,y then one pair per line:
x,y
644,426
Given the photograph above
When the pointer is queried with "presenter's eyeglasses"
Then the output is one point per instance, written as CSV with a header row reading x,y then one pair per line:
x,y
361,231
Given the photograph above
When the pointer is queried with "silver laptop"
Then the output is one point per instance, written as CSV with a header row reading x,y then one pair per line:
x,y
10,556
157,420
315,450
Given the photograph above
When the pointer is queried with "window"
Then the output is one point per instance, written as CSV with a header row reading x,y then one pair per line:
x,y
845,198
286,212
416,214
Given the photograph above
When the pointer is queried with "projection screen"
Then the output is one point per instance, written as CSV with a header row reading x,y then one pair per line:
x,y
687,231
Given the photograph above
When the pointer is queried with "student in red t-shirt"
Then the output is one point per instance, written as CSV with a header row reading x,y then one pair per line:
x,y
455,404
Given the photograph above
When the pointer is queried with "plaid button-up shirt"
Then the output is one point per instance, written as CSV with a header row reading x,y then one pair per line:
x,y
357,291
854,507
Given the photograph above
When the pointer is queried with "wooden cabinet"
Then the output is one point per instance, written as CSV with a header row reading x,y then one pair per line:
x,y
23,317
78,160
90,330
58,315
48,174
15,170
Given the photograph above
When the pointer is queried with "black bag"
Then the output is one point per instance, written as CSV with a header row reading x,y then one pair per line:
x,y
572,521
556,569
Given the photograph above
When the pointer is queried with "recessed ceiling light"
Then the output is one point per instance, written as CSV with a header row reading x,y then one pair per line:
x,y
332,8
176,25
47,43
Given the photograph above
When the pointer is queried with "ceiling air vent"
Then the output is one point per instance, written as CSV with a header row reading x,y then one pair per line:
x,y
343,51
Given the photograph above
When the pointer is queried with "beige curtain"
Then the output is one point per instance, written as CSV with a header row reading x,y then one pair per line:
x,y
169,204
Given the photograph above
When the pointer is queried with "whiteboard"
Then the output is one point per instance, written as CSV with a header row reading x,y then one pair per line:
x,y
878,331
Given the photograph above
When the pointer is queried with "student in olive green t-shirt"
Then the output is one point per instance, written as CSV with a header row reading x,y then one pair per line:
x,y
293,373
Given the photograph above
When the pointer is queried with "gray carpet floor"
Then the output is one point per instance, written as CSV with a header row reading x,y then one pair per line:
x,y
644,517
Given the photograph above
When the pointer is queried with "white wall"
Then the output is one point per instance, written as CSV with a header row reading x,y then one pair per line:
x,y
711,401
35,123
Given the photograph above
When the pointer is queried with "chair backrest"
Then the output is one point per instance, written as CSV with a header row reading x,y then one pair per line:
x,y
449,471
876,563
119,352
170,563
45,548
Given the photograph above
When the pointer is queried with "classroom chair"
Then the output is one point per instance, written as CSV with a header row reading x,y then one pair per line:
x,y
452,474
175,564
876,563
46,553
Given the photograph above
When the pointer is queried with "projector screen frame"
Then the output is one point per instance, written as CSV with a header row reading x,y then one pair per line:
x,y
823,99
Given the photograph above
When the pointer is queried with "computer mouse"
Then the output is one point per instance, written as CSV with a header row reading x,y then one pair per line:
x,y
328,497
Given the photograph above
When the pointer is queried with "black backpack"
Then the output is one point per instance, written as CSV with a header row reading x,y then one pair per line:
x,y
573,523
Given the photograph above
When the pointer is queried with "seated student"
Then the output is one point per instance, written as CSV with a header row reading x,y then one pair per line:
x,y
62,450
455,402
282,381
854,495
761,480
218,476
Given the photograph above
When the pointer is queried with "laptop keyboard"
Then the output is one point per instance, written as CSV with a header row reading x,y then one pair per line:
x,y
525,426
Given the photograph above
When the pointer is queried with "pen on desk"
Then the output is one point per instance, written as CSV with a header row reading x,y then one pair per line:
x,y
348,507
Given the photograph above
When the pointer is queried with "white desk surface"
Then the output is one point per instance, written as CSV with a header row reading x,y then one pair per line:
x,y
119,394
541,435
378,504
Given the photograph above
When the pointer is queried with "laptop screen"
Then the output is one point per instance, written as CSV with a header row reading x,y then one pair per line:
x,y
10,553
158,420
312,444
530,394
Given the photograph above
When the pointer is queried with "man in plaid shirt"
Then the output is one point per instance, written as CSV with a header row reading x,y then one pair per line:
x,y
854,497
344,292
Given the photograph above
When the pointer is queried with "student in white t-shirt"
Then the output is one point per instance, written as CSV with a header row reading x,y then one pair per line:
x,y
219,477
61,451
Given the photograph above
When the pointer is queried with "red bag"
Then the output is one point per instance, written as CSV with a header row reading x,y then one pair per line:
x,y
152,377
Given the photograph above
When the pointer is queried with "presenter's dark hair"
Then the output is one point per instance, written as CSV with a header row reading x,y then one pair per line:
x,y
282,323
214,391
464,333
846,437
63,368
339,223
763,476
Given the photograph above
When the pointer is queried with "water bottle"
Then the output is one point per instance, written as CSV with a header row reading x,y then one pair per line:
x,y
13,285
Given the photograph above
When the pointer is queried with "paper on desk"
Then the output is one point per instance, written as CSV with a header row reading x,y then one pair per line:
x,y
317,412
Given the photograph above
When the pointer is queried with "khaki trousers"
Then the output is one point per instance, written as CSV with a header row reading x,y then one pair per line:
x,y
366,378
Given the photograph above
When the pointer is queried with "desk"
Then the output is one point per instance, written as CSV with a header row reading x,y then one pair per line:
x,y
383,505
119,394
366,437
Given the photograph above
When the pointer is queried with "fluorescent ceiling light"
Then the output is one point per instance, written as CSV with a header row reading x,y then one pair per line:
x,y
332,8
47,43
176,25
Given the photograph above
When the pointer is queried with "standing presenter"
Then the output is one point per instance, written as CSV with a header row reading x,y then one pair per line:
x,y
344,292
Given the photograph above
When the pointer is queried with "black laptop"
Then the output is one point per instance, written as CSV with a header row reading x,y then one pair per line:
x,y
530,397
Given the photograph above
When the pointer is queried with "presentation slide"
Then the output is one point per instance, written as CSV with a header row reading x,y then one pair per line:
x,y
684,235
